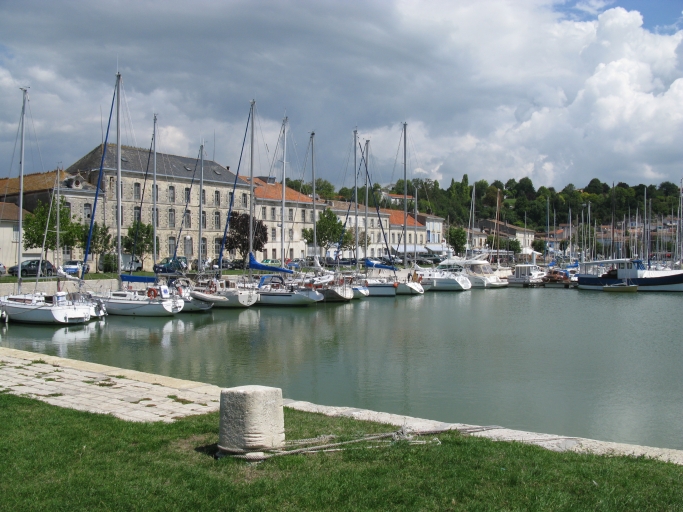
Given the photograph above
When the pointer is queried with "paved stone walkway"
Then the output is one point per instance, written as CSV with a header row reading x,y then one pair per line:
x,y
126,394
138,396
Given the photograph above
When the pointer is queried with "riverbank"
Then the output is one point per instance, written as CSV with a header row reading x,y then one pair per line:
x,y
57,458
138,396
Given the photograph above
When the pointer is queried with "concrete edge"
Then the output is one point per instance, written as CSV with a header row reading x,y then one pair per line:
x,y
495,433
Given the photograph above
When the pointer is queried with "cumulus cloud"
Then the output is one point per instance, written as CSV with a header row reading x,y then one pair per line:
x,y
492,88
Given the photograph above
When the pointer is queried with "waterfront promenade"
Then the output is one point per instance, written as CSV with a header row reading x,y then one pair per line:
x,y
143,397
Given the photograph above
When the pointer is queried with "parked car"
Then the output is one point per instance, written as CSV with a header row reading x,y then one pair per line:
x,y
226,264
127,263
30,268
239,264
171,265
273,263
3,269
74,267
297,263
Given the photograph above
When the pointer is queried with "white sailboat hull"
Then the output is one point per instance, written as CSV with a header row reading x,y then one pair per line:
x,y
45,313
409,289
194,305
337,293
381,289
360,292
289,298
143,306
230,298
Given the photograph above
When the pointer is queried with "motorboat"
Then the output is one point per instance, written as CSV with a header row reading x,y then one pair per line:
x,y
557,278
527,276
595,275
441,280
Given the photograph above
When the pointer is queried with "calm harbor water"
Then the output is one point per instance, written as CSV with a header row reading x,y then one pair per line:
x,y
575,363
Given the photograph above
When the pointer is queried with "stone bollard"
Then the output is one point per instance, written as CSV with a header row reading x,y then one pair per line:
x,y
251,419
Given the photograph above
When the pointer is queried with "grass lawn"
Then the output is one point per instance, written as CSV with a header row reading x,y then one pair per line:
x,y
60,459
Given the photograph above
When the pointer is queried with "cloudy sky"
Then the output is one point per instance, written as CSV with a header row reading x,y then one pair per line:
x,y
559,91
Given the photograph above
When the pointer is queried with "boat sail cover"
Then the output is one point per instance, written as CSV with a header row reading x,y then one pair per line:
x,y
255,265
371,264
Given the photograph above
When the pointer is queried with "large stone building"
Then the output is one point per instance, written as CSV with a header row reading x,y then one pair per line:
x,y
179,213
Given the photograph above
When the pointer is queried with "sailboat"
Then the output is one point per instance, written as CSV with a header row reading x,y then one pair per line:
x,y
407,287
272,288
36,307
333,287
149,301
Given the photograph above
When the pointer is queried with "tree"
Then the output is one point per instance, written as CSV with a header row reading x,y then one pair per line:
x,y
100,242
457,238
538,245
526,187
324,189
139,239
35,224
238,235
299,186
328,230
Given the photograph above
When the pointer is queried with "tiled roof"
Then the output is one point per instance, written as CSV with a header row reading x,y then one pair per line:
x,y
135,160
396,219
10,211
263,190
32,182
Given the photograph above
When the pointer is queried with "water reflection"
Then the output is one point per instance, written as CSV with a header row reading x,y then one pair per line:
x,y
572,363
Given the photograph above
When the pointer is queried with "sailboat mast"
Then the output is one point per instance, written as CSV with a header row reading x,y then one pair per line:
x,y
355,189
367,148
154,198
405,195
118,172
200,261
415,230
284,174
21,189
57,233
251,185
315,232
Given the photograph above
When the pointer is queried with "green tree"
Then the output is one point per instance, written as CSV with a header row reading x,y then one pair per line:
x,y
457,238
324,189
100,242
35,224
139,239
538,245
238,235
299,186
328,230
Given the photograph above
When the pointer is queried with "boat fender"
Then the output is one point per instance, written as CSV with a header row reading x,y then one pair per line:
x,y
152,293
180,290
213,287
395,284
419,279
366,283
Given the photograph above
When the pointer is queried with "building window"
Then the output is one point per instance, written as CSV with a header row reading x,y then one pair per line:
x,y
291,214
155,193
244,200
188,246
171,245
410,238
187,195
291,254
116,214
303,215
263,212
291,234
273,235
136,191
274,254
171,194
421,238
203,220
272,214
87,211
136,214
372,253
217,220
156,217
15,232
202,251
217,246
393,238
217,198
230,199
203,196
171,218
188,219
